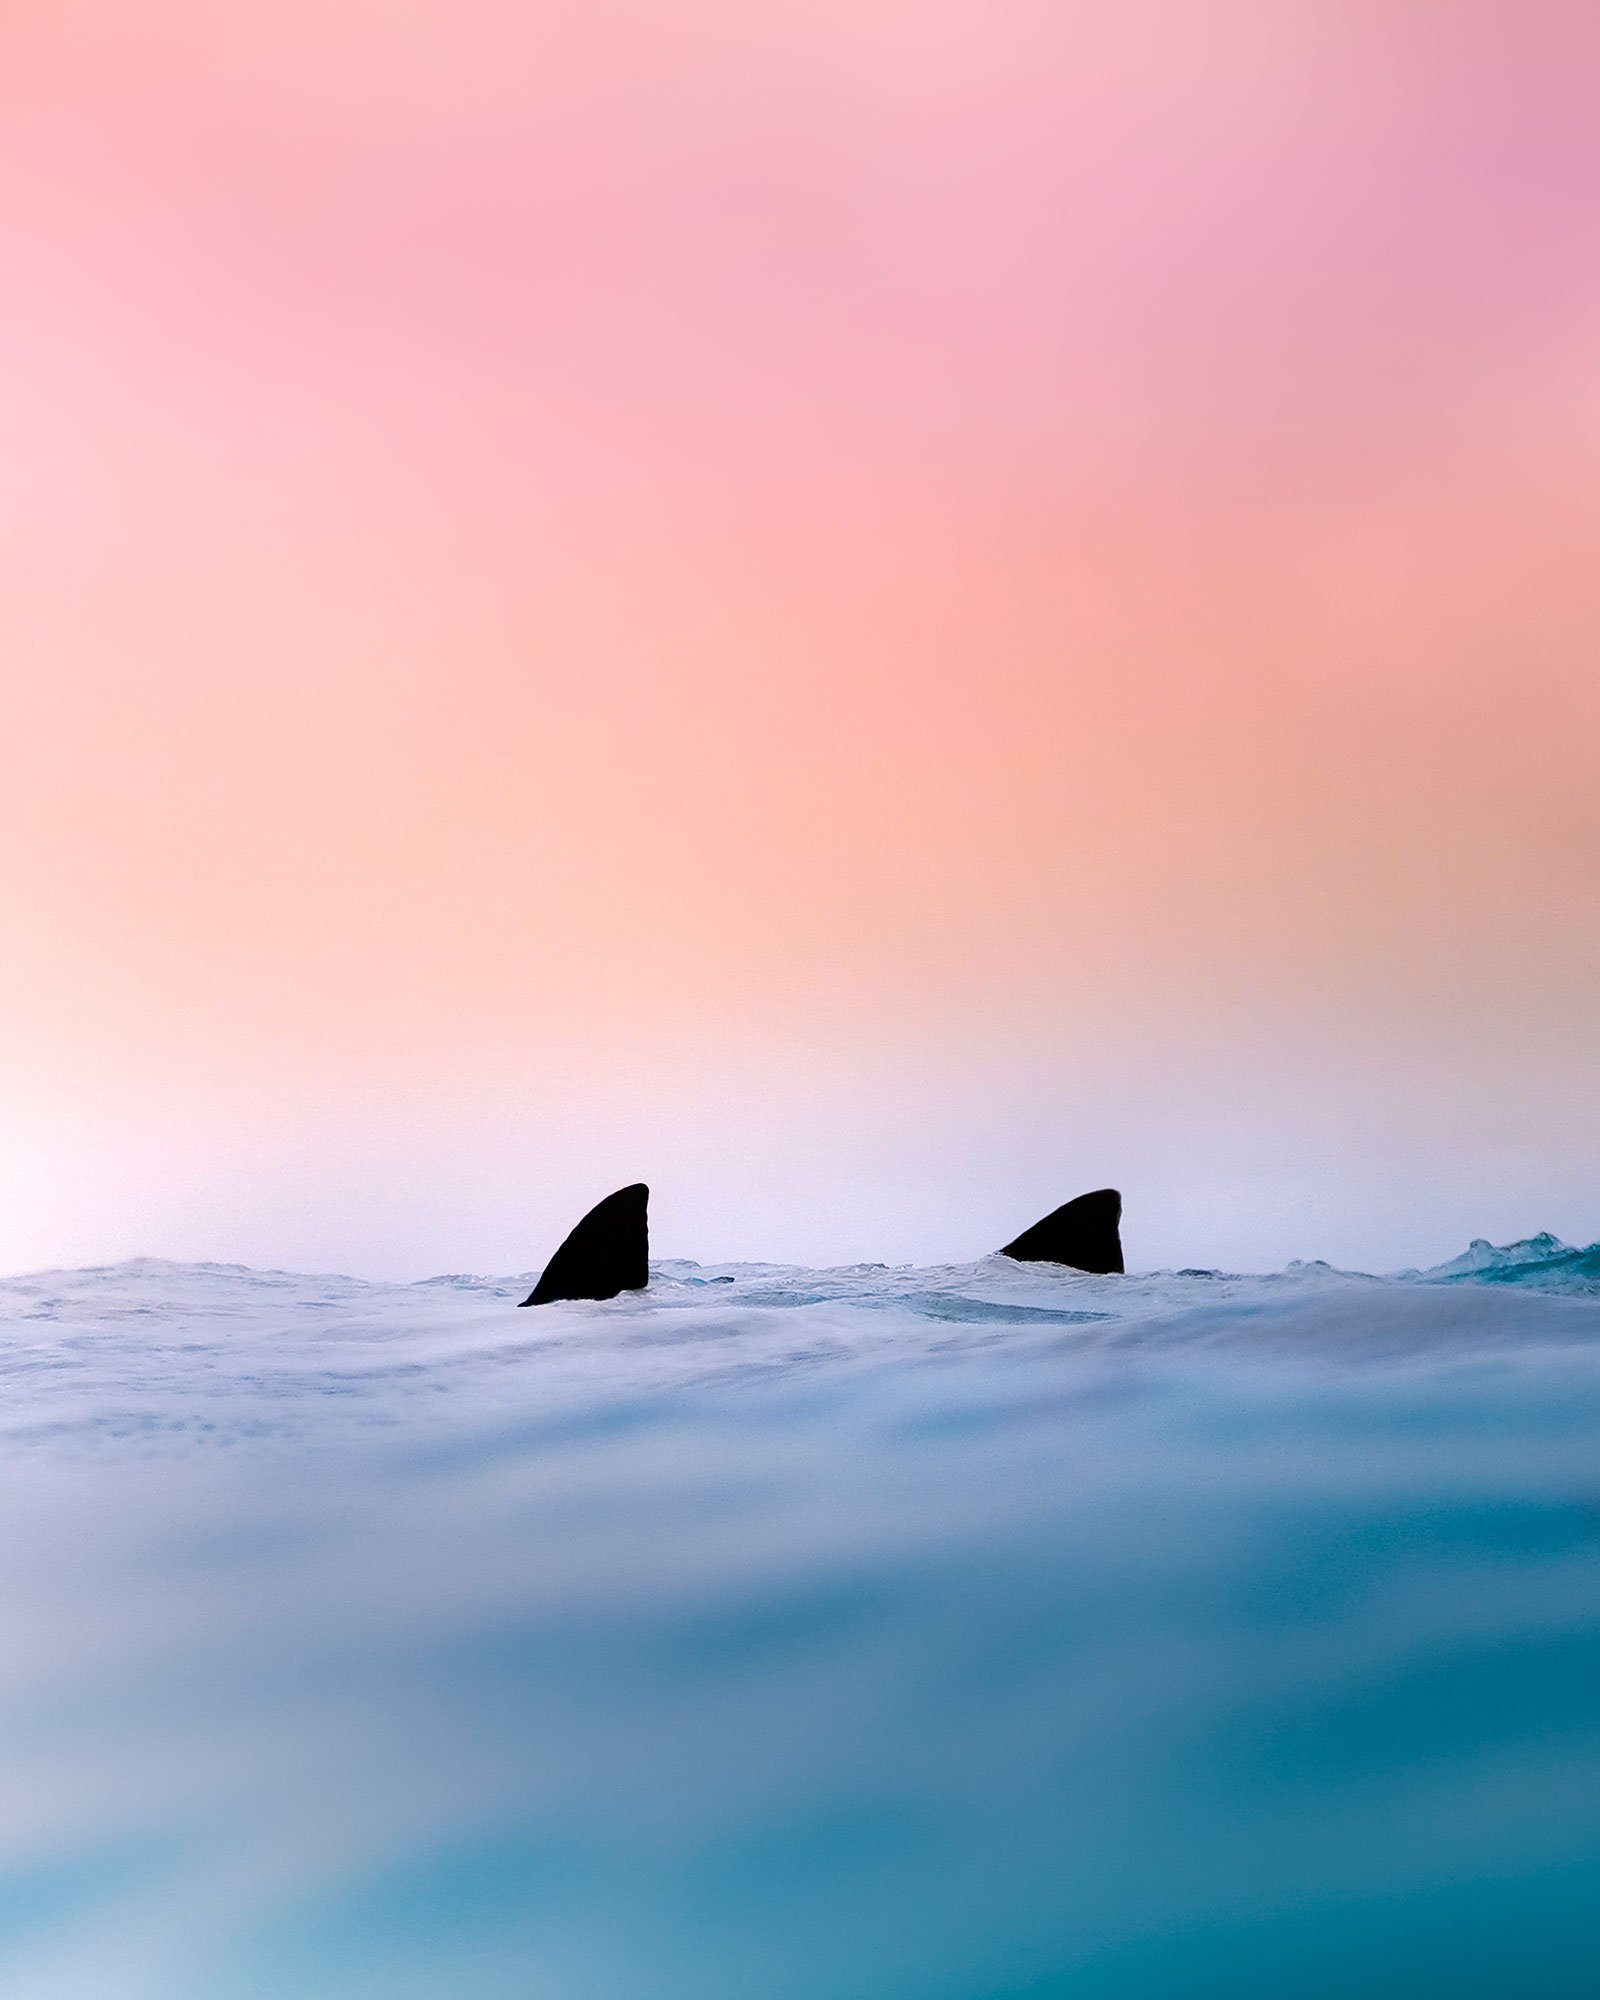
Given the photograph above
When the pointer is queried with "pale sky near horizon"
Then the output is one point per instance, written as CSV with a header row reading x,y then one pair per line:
x,y
875,614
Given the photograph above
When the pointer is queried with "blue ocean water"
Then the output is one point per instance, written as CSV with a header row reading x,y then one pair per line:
x,y
987,1633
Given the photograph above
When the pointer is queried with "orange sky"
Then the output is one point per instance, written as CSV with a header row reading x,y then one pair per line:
x,y
874,614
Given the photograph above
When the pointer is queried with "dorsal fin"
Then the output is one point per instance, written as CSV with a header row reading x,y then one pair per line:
x,y
608,1252
1083,1233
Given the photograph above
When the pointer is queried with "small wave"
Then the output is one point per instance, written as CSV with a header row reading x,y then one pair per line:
x,y
1541,1262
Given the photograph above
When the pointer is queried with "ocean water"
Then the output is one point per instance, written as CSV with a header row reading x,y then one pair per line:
x,y
985,1633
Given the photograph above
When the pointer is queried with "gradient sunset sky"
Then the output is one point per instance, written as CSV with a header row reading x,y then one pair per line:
x,y
873,612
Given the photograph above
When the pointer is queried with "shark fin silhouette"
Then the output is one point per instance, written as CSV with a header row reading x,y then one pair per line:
x,y
1082,1233
608,1252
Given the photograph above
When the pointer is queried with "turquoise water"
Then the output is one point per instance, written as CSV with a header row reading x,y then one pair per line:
x,y
965,1635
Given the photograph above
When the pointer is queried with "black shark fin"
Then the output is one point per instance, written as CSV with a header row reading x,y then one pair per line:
x,y
608,1252
1083,1233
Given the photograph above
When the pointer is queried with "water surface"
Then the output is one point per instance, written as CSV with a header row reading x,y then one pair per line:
x,y
859,1635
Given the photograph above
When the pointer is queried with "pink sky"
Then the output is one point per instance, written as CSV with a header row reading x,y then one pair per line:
x,y
874,613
